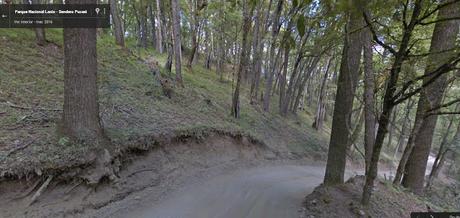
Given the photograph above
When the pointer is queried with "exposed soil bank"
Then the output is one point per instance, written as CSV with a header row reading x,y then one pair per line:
x,y
160,170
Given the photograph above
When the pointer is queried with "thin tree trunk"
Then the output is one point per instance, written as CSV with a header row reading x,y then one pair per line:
x,y
255,47
270,71
319,118
283,76
247,14
160,29
151,16
369,102
388,104
117,25
177,42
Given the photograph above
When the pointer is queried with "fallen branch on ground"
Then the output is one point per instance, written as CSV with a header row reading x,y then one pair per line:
x,y
7,103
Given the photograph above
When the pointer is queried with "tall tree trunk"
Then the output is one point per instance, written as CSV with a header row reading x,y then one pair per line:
x,y
160,29
194,32
208,44
247,14
388,104
443,40
255,47
117,25
369,102
301,88
391,127
319,118
80,118
404,127
283,77
271,70
287,98
177,42
347,82
151,16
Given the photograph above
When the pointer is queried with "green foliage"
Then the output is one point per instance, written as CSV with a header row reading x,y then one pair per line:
x,y
301,25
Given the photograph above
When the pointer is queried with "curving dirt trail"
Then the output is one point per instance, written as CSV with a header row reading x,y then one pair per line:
x,y
260,192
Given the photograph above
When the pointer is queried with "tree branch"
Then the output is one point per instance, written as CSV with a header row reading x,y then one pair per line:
x,y
445,68
375,37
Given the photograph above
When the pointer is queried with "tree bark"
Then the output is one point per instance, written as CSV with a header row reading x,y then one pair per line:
x,y
388,104
443,40
247,14
151,17
320,109
347,82
194,31
282,77
177,42
255,47
271,70
117,25
369,102
80,118
160,30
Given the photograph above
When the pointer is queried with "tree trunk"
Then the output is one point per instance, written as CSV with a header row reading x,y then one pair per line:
x,y
151,16
319,118
388,104
80,119
160,29
117,25
404,127
247,14
208,44
282,77
271,70
255,47
443,39
194,32
287,98
391,128
369,102
347,82
175,10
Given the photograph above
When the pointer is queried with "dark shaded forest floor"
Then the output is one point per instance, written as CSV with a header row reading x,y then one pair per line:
x,y
134,112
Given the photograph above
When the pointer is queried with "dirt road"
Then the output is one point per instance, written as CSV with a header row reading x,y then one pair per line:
x,y
260,192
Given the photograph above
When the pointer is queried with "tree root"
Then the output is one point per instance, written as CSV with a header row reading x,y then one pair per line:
x,y
40,190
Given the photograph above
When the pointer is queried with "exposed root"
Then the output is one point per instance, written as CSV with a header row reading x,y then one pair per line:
x,y
104,167
29,191
40,190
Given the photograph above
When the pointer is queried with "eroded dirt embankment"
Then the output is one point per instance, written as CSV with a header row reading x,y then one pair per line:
x,y
159,170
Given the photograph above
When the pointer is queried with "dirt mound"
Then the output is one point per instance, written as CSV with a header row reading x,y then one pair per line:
x,y
344,201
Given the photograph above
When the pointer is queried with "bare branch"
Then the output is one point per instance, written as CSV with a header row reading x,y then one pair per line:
x,y
428,14
439,20
445,68
375,37
443,113
444,105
